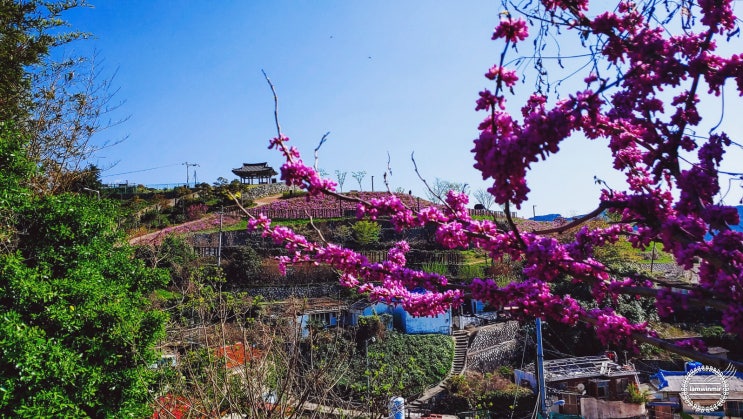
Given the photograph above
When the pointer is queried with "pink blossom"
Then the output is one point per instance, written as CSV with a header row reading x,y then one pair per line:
x,y
508,77
511,30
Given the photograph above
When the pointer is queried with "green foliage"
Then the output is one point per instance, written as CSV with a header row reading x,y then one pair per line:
x,y
435,267
374,326
637,396
342,234
401,365
76,328
14,168
713,332
487,391
242,264
76,333
26,34
471,271
366,232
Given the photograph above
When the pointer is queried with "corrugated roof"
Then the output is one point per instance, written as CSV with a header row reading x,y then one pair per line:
x,y
581,367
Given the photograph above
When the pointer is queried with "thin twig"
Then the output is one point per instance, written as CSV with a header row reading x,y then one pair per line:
x,y
275,103
317,149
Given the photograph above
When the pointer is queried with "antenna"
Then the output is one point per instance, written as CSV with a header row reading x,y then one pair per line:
x,y
187,164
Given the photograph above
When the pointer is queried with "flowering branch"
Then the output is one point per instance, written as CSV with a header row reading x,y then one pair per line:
x,y
664,201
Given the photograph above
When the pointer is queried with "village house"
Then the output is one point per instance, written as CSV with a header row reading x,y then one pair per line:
x,y
323,311
402,320
590,386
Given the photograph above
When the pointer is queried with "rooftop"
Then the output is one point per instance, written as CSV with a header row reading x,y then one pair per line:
x,y
581,367
255,169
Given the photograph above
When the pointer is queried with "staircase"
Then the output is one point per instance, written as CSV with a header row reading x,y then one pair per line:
x,y
461,343
462,340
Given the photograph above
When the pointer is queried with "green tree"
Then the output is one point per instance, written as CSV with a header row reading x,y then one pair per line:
x,y
28,29
76,328
76,333
14,168
366,232
242,264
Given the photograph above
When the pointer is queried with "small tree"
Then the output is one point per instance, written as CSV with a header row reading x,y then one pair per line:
x,y
484,198
437,191
341,176
242,263
366,232
359,176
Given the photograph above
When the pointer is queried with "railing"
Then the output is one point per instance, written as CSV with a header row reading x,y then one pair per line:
x,y
295,214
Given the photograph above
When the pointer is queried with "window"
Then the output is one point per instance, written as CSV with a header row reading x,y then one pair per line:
x,y
320,318
622,385
602,389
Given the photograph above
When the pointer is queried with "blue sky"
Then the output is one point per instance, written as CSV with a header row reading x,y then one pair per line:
x,y
382,77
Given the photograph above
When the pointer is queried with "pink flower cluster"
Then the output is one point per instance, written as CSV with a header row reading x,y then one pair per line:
x,y
511,30
295,173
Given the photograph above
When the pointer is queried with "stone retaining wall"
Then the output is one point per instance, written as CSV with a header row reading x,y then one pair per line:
x,y
494,334
493,346
279,293
262,191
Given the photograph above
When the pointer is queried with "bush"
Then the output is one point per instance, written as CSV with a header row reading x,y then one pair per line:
x,y
196,211
366,232
636,396
242,263
435,268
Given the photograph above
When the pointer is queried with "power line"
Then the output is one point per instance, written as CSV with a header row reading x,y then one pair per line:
x,y
141,170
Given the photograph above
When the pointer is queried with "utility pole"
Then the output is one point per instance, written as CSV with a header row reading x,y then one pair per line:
x,y
187,164
540,372
219,250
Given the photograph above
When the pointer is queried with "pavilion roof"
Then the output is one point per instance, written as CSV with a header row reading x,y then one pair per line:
x,y
254,170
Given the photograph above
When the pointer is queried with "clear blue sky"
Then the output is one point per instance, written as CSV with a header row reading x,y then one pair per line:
x,y
382,77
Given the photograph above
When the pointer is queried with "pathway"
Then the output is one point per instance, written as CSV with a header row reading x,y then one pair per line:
x,y
461,339
157,236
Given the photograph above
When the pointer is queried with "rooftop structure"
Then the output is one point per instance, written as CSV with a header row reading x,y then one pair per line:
x,y
260,172
581,367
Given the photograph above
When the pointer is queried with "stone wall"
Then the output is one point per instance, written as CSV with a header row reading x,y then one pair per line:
x,y
262,191
494,334
279,293
493,346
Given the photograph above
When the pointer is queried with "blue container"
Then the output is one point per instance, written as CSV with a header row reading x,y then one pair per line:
x,y
397,408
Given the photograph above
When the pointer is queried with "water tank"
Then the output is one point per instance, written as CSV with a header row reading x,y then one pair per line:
x,y
397,408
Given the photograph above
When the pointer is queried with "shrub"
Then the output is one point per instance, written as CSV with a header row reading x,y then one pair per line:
x,y
196,211
366,232
435,267
637,396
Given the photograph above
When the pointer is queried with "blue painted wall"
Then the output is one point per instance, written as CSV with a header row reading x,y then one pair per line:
x,y
303,319
440,324
412,325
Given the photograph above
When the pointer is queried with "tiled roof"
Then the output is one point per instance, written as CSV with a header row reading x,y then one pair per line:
x,y
236,355
255,169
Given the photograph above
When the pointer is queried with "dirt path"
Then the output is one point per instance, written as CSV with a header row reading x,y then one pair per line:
x,y
157,236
